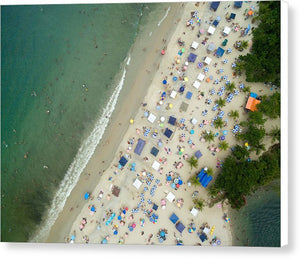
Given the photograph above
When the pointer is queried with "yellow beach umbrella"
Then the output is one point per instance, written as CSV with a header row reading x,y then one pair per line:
x,y
131,121
186,79
170,105
178,61
246,144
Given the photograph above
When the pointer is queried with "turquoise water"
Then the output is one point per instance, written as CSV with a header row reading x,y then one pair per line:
x,y
58,67
258,223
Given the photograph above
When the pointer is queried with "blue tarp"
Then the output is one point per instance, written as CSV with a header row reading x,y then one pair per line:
x,y
238,4
155,207
215,23
174,218
232,16
192,57
123,161
139,146
254,95
154,151
214,5
203,237
168,132
172,120
220,52
201,175
189,95
206,180
180,227
198,154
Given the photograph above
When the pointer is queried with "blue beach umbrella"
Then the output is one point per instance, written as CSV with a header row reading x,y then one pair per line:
x,y
104,241
174,78
206,69
165,82
119,217
169,178
162,233
192,131
86,196
93,209
173,185
73,237
146,114
180,182
115,232
181,89
225,132
130,228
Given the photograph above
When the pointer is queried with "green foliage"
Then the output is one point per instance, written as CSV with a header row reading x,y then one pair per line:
x,y
244,44
263,63
240,152
199,204
221,102
253,135
274,134
209,171
241,178
224,145
234,114
218,123
247,89
209,136
230,87
270,105
194,180
256,118
193,162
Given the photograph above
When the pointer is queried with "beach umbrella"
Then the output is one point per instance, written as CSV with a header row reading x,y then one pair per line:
x,y
163,52
174,78
181,89
116,232
225,132
162,233
192,131
186,63
206,69
218,242
241,86
225,61
229,50
119,217
170,105
169,178
164,82
73,237
211,77
173,185
146,114
182,50
178,61
180,182
130,228
233,64
217,81
185,79
198,20
222,137
131,121
202,30
133,225
218,18
104,241
86,195
221,70
200,65
93,209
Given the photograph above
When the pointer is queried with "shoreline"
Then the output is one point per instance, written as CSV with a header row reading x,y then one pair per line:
x,y
119,121
129,196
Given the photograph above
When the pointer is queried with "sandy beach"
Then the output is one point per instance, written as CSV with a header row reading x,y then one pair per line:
x,y
130,217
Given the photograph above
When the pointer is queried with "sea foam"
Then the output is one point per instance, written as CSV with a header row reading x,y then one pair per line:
x,y
80,161
165,16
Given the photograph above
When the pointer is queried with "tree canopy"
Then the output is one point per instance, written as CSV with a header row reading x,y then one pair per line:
x,y
263,63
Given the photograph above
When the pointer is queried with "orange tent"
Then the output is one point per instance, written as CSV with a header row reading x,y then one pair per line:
x,y
250,12
251,104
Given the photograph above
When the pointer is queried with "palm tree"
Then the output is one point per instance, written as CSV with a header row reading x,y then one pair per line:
x,y
209,171
244,44
239,67
234,114
258,148
199,204
209,137
274,134
194,180
221,102
218,123
224,145
247,89
230,87
193,162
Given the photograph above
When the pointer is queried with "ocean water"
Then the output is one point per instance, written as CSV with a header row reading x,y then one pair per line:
x,y
258,223
58,88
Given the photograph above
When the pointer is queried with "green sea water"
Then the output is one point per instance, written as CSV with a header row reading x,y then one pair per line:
x,y
258,223
58,65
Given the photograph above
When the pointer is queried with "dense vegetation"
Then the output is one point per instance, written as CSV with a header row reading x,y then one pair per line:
x,y
263,63
240,178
